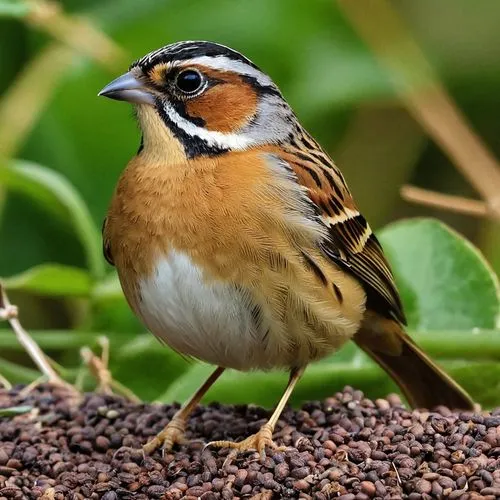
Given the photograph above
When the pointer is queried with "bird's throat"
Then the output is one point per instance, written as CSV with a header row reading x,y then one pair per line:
x,y
159,143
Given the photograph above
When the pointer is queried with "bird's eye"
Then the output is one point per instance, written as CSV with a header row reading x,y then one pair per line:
x,y
189,81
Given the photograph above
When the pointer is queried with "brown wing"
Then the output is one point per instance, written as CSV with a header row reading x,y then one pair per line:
x,y
351,242
106,249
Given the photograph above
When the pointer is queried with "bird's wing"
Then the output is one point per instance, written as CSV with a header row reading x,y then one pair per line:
x,y
350,243
106,249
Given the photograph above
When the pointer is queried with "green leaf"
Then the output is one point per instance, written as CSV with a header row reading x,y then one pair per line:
x,y
17,373
15,410
481,380
110,310
59,197
53,280
443,279
147,367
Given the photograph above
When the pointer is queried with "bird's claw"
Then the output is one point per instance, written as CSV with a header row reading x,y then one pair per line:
x,y
256,442
171,435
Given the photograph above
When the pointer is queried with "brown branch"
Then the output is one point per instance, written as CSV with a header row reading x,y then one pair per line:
x,y
9,312
424,96
475,208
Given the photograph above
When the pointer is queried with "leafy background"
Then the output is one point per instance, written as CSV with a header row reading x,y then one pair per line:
x,y
62,150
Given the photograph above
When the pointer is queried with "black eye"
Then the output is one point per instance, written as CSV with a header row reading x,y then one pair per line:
x,y
189,81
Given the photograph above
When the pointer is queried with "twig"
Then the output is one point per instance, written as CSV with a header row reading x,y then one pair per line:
x,y
5,383
9,313
475,208
28,388
424,96
98,367
125,392
397,473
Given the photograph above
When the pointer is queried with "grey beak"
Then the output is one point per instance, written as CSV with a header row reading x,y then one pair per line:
x,y
127,88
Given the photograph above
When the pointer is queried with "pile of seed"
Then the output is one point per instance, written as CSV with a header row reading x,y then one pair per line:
x,y
346,447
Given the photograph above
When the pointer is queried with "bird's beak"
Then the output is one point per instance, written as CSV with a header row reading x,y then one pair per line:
x,y
128,88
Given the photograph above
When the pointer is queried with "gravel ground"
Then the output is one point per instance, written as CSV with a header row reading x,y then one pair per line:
x,y
345,447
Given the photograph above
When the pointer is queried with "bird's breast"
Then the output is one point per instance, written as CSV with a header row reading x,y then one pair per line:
x,y
208,319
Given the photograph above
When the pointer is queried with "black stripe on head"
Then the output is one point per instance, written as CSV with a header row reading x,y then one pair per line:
x,y
193,145
261,89
180,108
188,50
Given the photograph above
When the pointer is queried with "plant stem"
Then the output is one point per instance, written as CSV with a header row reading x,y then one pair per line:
x,y
480,345
17,373
424,95
475,208
31,347
59,340
5,383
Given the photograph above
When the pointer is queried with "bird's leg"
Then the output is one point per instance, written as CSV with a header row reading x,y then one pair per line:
x,y
173,433
264,437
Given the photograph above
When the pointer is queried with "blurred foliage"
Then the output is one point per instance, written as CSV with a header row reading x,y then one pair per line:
x,y
57,195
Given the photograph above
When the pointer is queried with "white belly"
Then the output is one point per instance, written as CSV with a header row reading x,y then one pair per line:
x,y
211,321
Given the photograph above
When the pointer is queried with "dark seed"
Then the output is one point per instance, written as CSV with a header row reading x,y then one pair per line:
x,y
423,486
347,447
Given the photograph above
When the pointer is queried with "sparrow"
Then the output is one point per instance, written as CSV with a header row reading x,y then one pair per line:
x,y
237,241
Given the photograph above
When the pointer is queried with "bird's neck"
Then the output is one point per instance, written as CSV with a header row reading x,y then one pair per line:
x,y
159,145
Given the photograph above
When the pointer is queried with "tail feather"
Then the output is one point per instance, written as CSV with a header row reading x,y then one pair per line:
x,y
423,383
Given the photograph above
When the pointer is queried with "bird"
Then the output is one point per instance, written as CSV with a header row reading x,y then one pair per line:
x,y
237,241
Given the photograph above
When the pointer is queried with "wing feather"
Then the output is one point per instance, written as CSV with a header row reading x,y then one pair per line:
x,y
106,247
350,242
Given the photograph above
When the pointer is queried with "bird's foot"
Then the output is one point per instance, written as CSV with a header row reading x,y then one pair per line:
x,y
171,435
256,442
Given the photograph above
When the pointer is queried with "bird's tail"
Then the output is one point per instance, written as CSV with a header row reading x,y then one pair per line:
x,y
423,383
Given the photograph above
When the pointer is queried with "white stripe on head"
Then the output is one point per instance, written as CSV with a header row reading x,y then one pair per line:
x,y
212,137
223,63
271,124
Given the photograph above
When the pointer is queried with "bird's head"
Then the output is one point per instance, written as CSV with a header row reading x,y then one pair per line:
x,y
206,97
